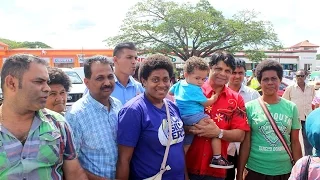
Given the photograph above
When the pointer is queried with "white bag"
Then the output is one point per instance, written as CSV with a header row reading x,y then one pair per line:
x,y
163,167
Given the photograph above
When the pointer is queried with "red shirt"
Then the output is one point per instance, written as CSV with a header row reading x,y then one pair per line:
x,y
229,113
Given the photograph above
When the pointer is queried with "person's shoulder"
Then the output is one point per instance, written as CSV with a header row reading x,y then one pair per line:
x,y
171,103
286,101
134,102
250,90
116,102
310,86
231,93
135,81
314,114
56,116
252,103
80,106
290,86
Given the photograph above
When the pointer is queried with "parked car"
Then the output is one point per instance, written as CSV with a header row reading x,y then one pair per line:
x,y
78,86
80,71
284,84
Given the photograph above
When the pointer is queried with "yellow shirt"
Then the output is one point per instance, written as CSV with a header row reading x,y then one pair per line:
x,y
254,83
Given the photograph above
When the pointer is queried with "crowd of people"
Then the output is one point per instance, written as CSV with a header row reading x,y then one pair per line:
x,y
133,122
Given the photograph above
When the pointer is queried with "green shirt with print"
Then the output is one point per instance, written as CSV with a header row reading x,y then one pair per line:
x,y
267,154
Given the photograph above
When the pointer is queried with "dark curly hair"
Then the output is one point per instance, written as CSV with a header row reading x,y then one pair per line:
x,y
155,62
266,65
57,76
227,58
195,63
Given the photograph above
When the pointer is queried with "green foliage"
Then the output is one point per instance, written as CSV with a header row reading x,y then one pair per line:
x,y
256,55
25,44
192,29
318,56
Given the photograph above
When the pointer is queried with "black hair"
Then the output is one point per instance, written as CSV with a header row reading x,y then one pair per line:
x,y
97,58
155,62
240,63
227,58
195,63
125,45
16,65
266,65
136,72
57,76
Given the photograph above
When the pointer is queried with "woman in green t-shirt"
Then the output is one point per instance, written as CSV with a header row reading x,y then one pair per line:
x,y
261,151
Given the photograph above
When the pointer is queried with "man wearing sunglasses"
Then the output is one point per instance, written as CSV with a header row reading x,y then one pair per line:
x,y
302,95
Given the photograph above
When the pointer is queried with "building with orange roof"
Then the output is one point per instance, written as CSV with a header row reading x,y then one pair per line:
x,y
66,58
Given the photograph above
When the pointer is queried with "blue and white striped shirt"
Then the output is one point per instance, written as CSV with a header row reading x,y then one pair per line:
x,y
95,132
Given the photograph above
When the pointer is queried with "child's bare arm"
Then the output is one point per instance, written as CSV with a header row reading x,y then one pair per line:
x,y
211,100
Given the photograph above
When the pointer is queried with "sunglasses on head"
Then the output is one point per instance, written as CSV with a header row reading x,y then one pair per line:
x,y
300,76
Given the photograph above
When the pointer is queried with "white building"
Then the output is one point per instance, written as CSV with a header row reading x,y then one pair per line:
x,y
299,56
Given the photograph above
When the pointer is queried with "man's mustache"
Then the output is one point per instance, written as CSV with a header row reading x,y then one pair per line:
x,y
106,87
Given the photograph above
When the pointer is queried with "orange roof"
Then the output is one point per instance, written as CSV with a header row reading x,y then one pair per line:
x,y
304,44
3,44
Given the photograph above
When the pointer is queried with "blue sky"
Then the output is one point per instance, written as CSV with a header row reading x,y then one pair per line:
x,y
69,24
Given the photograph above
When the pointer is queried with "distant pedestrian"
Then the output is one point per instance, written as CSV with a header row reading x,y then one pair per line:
x,y
302,94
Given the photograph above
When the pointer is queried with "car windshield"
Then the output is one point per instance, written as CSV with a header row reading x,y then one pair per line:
x,y
74,77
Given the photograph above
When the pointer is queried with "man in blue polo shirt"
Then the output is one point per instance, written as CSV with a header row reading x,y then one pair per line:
x,y
126,87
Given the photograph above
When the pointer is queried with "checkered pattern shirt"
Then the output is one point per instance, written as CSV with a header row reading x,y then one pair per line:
x,y
95,130
49,142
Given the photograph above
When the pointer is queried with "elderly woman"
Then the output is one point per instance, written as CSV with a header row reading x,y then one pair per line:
x,y
261,151
60,85
143,127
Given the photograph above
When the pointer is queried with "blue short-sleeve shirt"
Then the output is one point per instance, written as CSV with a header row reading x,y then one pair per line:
x,y
188,97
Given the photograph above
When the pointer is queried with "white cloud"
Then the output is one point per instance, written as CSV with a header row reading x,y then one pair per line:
x,y
86,23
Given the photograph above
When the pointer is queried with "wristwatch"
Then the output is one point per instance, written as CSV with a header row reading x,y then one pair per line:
x,y
220,134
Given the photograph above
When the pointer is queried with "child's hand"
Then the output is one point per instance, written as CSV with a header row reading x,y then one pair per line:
x,y
214,96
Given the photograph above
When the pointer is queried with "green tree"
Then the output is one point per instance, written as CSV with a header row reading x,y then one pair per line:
x,y
255,55
26,44
318,56
192,29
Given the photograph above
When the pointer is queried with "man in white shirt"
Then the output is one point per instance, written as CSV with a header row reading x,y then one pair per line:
x,y
302,95
248,94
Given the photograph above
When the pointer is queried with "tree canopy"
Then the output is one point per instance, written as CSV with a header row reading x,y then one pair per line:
x,y
26,44
193,29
